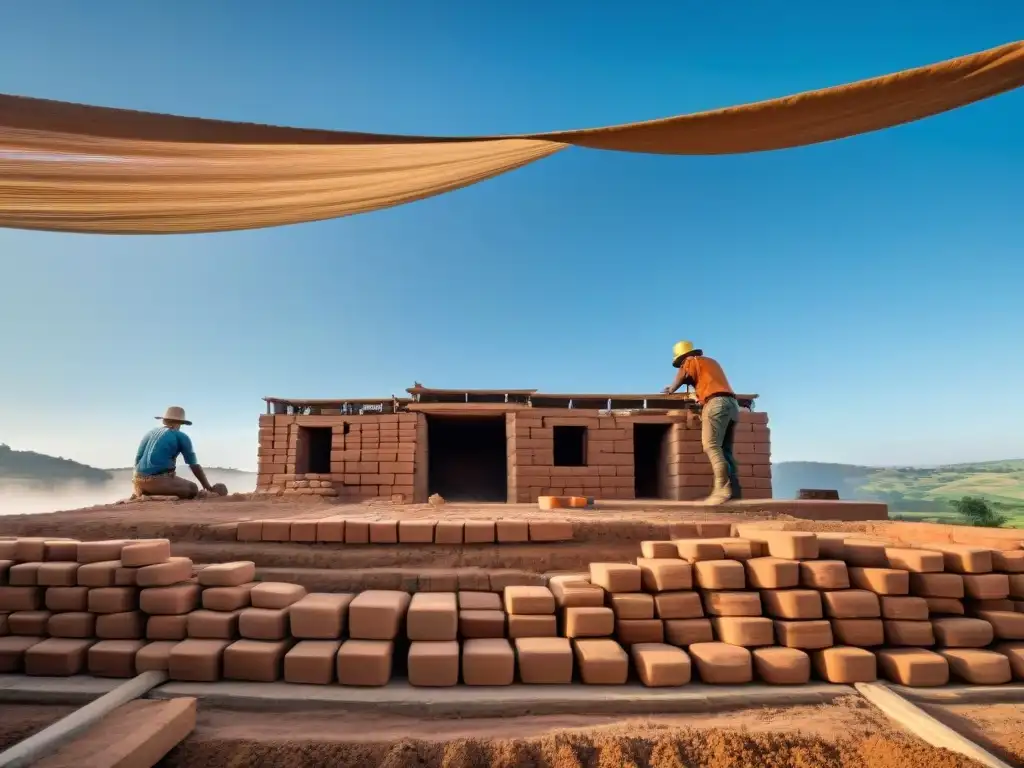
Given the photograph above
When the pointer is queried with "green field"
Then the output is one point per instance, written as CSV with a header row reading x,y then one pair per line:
x,y
914,492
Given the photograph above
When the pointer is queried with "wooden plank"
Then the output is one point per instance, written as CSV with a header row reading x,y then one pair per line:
x,y
338,402
466,408
431,391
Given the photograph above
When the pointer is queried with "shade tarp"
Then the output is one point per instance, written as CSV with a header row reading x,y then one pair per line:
x,y
76,168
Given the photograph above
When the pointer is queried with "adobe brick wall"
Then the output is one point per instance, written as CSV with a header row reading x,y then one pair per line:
x,y
371,457
385,456
609,471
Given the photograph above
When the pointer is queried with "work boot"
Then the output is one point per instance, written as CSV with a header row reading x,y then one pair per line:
x,y
719,496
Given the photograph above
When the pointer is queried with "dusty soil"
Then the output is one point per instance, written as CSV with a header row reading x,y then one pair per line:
x,y
19,721
848,733
999,728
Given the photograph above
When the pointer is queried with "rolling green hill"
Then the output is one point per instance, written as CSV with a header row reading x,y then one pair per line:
x,y
913,492
35,467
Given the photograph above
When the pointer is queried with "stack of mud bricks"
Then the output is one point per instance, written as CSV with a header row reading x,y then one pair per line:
x,y
609,471
340,530
690,476
371,456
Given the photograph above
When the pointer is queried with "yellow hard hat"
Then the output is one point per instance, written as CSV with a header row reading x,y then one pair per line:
x,y
681,350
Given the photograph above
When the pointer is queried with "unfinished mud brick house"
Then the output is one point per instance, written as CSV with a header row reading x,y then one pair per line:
x,y
501,446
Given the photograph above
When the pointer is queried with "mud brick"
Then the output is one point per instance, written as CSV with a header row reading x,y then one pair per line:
x,y
1006,625
173,571
659,549
377,614
824,574
176,599
987,586
59,657
632,605
973,607
914,560
432,616
67,599
130,625
960,558
357,531
513,531
944,606
166,627
851,604
12,652
721,663
100,551
249,530
665,574
1008,562
806,635
276,594
28,623
488,661
747,631
720,574
479,601
227,598
732,603
846,665
881,581
416,531
384,532
8,547
197,661
263,623
772,572
99,574
616,577
694,550
713,530
254,660
630,631
113,658
319,616
949,585
741,549
479,532
142,553
678,605
113,599
276,530
683,531
63,550
684,632
24,575
482,623
792,603
365,662
782,666
1017,586
302,531
659,665
962,632
831,546
213,625
433,663
905,608
448,532
126,577
56,574
865,553
531,626
72,624
20,598
918,634
29,549
551,530
311,662
790,545
914,667
544,660
154,656
977,667
862,633
589,622
601,662
5,567
1014,652
227,574
3,624
529,601
329,529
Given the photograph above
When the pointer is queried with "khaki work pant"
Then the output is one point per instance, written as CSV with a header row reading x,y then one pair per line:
x,y
164,485
717,430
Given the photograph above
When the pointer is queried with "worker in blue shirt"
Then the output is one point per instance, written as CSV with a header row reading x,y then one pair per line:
x,y
157,457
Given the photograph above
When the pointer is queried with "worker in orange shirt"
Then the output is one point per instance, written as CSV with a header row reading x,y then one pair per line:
x,y
719,413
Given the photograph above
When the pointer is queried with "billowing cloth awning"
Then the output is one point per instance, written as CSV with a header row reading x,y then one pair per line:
x,y
74,168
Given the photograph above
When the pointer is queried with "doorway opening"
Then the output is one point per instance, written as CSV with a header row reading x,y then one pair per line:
x,y
467,458
313,452
650,461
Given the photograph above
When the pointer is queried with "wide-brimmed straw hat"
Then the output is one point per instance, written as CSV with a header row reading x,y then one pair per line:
x,y
175,413
682,350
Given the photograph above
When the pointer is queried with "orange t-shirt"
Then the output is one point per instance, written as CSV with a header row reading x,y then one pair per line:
x,y
706,376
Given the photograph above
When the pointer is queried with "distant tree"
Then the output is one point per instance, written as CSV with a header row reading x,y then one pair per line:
x,y
976,511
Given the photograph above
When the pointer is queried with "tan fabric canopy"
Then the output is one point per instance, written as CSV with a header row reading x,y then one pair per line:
x,y
74,168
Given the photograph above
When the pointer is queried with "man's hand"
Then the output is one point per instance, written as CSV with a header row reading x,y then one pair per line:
x,y
667,391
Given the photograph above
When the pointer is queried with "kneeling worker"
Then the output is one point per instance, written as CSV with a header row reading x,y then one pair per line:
x,y
158,455
719,413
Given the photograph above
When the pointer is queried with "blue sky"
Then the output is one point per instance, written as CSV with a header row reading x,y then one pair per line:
x,y
869,289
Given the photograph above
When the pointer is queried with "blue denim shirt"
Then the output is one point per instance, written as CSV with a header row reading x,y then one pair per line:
x,y
158,452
